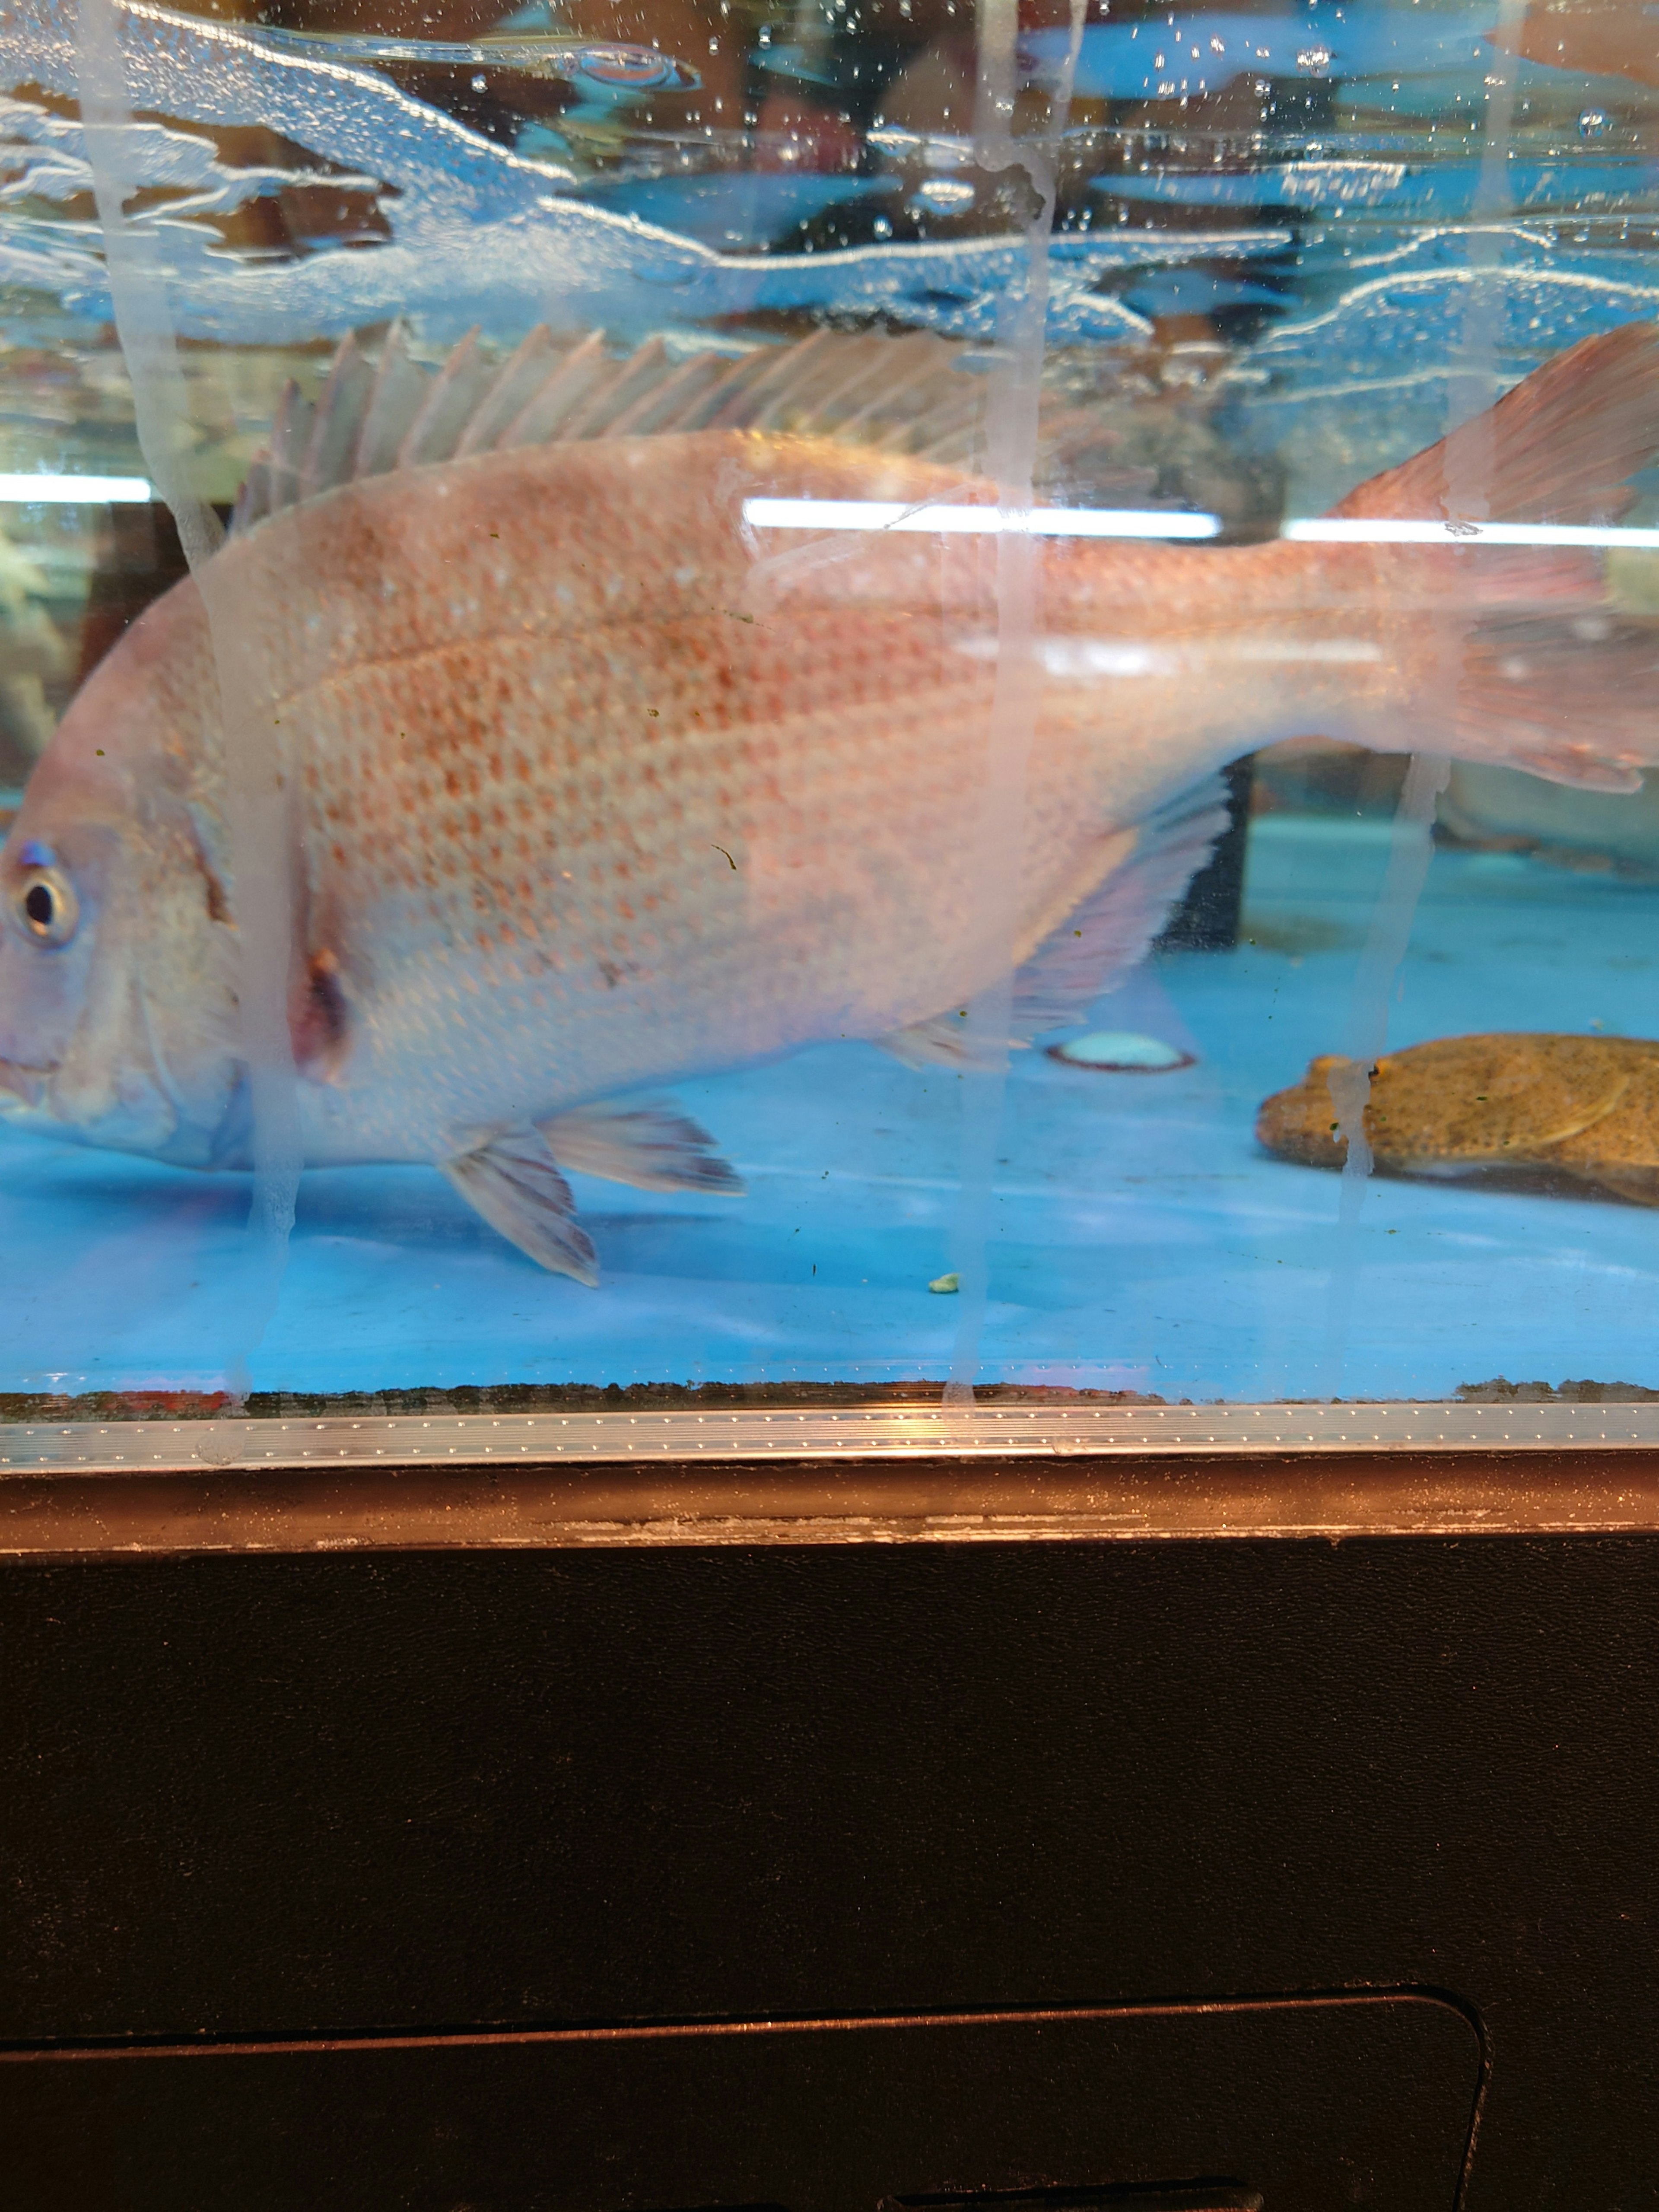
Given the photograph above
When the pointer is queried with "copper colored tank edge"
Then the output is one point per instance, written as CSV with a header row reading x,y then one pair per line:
x,y
1372,1997
1327,1497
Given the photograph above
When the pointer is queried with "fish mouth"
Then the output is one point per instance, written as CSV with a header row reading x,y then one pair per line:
x,y
22,1083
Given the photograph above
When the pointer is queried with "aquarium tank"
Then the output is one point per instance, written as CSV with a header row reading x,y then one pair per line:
x,y
815,699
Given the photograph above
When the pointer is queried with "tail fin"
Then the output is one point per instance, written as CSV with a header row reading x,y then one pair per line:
x,y
1550,677
1559,447
1574,701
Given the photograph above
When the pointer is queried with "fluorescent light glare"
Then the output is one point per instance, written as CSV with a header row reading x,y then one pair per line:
x,y
1386,531
70,491
985,521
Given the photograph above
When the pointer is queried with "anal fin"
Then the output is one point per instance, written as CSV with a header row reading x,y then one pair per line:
x,y
1115,927
648,1143
510,1178
1106,935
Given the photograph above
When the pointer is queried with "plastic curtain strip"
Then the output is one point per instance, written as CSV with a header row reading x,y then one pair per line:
x,y
1472,387
1010,437
257,793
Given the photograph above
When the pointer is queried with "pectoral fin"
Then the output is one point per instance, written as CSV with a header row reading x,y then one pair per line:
x,y
648,1143
513,1180
319,1021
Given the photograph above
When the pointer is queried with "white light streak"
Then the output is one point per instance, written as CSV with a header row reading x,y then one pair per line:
x,y
1336,652
71,491
1327,529
1040,521
871,514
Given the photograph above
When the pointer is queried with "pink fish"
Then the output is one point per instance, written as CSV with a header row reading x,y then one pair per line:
x,y
596,785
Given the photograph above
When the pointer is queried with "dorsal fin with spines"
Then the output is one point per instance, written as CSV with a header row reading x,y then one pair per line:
x,y
447,408
400,387
331,453
909,393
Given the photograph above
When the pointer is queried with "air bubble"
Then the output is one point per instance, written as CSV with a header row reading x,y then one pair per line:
x,y
946,194
1592,124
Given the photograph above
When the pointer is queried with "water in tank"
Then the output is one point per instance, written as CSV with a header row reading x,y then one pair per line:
x,y
829,692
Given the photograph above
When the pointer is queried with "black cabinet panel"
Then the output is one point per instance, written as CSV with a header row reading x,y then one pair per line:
x,y
291,1797
1302,2106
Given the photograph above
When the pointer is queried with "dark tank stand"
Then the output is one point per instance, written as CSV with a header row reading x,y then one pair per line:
x,y
1261,1822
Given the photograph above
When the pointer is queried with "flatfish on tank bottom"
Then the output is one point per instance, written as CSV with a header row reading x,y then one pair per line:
x,y
598,780
1578,1113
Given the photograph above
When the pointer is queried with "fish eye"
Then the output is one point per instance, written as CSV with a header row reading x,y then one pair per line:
x,y
45,905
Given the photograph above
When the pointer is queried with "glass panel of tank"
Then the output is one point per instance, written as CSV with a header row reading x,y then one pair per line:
x,y
715,692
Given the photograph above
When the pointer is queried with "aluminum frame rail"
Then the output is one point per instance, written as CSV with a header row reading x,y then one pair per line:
x,y
841,1433
883,1474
